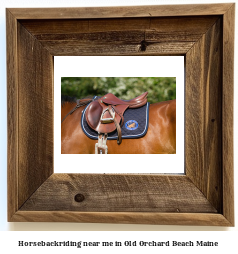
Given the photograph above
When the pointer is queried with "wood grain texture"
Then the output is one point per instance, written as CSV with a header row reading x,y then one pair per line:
x,y
12,114
119,36
36,114
227,113
204,114
199,219
49,29
140,193
73,48
121,11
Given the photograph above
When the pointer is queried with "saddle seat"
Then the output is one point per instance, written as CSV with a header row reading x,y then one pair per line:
x,y
105,114
137,102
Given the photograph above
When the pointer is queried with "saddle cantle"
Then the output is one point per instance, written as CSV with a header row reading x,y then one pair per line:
x,y
105,115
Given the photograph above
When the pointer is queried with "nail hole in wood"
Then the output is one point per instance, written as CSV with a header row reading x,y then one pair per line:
x,y
79,198
213,120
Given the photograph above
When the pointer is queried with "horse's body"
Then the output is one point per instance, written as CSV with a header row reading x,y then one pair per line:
x,y
160,137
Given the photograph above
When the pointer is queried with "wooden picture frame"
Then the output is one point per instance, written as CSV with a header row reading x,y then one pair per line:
x,y
204,34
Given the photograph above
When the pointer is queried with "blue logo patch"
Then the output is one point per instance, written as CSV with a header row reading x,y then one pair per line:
x,y
131,125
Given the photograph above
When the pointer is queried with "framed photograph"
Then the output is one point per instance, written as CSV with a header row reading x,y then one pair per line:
x,y
162,144
202,194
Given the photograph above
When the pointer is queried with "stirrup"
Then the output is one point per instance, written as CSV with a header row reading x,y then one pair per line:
x,y
108,120
101,147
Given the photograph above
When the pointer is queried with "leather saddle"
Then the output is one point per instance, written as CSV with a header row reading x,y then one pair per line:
x,y
105,115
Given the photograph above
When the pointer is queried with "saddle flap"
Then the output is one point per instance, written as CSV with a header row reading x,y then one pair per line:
x,y
93,114
110,127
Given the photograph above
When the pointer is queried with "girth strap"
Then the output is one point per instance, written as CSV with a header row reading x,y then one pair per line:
x,y
101,146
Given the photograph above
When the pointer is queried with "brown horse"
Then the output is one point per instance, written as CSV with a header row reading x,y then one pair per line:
x,y
160,137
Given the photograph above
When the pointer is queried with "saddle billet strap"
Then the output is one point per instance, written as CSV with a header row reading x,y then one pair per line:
x,y
80,103
119,138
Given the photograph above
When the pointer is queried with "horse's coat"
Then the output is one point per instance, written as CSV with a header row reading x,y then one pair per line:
x,y
160,137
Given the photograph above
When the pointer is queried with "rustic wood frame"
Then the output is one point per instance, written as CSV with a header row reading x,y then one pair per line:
x,y
204,34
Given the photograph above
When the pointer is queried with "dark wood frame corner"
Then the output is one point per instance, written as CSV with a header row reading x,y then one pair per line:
x,y
204,34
